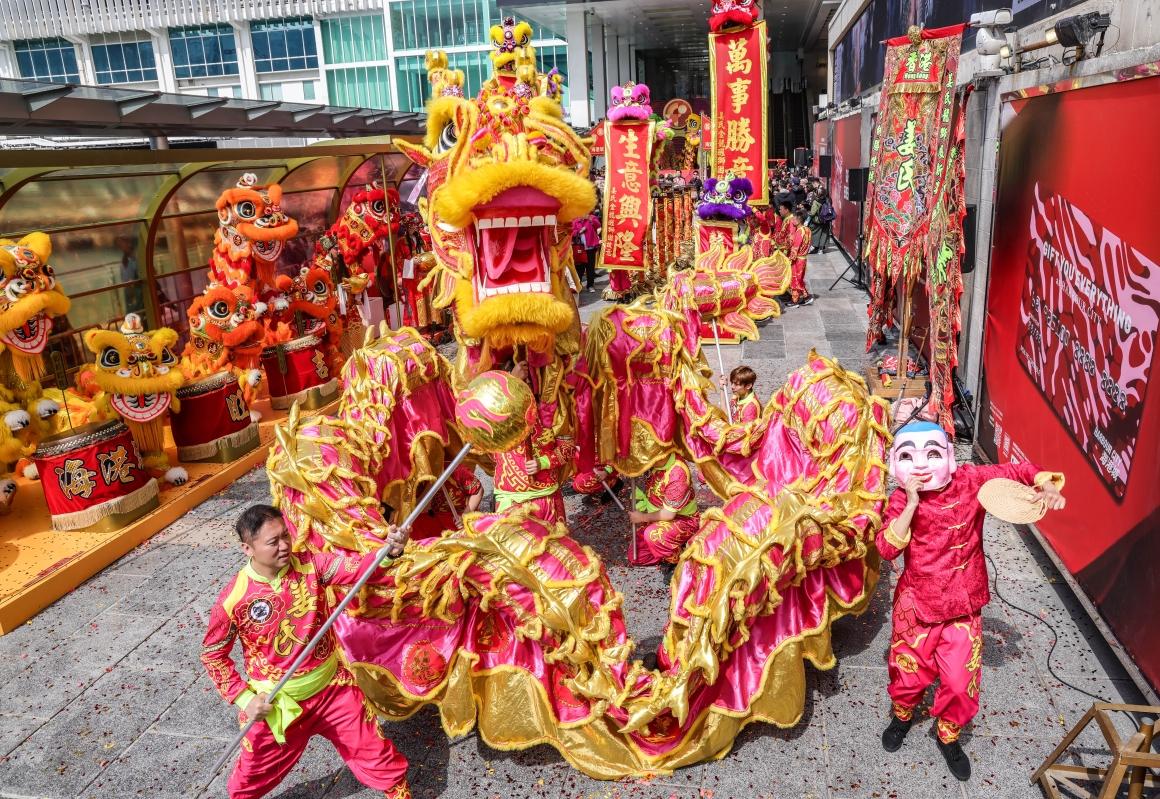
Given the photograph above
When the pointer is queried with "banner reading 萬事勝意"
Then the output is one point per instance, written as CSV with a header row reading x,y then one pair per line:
x,y
737,65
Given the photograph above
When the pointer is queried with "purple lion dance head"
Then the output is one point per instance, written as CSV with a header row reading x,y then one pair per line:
x,y
630,101
725,198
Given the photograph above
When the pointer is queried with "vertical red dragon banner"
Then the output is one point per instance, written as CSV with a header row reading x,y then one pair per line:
x,y
627,203
737,66
910,166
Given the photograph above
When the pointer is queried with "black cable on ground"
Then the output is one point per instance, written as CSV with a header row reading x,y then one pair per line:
x,y
1054,641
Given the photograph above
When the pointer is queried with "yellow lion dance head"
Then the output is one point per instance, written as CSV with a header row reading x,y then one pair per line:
x,y
506,177
29,298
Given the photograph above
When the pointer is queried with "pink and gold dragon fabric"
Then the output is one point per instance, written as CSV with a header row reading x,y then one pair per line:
x,y
510,625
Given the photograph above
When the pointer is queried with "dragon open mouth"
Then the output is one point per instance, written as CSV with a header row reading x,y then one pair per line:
x,y
267,250
140,407
31,337
511,237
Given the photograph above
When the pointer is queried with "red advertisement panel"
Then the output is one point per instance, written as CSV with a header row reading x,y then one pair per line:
x,y
821,142
627,207
846,146
1072,319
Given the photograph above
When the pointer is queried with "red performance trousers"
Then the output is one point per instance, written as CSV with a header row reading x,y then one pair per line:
x,y
339,715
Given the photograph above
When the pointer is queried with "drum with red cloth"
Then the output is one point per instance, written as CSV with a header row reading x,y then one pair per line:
x,y
214,424
296,371
93,479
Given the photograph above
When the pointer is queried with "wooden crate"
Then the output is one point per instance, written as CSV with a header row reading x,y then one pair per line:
x,y
915,387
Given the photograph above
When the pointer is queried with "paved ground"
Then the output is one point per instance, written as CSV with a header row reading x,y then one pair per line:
x,y
103,696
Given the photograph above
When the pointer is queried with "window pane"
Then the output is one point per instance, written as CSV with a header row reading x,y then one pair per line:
x,y
307,90
180,55
261,46
294,46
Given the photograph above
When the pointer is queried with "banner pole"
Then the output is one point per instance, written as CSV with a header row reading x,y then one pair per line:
x,y
721,362
382,555
632,499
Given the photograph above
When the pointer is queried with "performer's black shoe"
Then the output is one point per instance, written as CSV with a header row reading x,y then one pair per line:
x,y
957,760
895,734
807,300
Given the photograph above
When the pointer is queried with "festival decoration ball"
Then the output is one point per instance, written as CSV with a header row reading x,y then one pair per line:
x,y
496,412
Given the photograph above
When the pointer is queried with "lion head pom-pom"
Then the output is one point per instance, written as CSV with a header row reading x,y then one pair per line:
x,y
496,412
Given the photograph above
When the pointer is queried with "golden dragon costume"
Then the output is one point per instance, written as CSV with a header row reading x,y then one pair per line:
x,y
509,625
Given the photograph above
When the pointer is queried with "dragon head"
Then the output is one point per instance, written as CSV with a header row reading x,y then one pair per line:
x,y
506,177
725,198
29,298
312,294
224,330
727,13
137,368
252,225
630,101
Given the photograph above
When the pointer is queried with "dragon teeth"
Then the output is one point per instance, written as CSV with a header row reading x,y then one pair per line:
x,y
519,288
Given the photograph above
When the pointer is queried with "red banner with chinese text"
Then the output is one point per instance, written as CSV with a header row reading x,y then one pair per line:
x,y
737,64
597,147
627,153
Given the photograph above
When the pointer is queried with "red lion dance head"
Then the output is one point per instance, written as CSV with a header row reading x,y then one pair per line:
x,y
726,13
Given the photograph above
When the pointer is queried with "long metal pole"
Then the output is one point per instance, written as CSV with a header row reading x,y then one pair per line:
x,y
612,494
632,499
721,363
382,555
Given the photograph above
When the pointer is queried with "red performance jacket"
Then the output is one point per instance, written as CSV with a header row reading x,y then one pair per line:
x,y
945,568
274,621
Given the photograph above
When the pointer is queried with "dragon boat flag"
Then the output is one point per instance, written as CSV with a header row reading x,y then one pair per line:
x,y
627,203
737,64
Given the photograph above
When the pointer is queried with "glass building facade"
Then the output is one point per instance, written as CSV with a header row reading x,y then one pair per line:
x,y
53,60
284,44
120,60
201,51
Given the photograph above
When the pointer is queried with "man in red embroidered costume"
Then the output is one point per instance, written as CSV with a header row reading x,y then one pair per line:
x,y
666,514
275,605
464,491
936,521
797,240
528,474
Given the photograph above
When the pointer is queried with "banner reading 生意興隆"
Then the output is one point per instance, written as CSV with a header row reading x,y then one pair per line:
x,y
628,153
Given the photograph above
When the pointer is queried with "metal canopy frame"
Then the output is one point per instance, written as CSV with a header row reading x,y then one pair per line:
x,y
34,108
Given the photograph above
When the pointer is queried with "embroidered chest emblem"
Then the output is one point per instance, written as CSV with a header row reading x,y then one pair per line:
x,y
260,611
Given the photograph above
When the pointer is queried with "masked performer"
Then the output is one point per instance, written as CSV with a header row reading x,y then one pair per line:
x,y
936,521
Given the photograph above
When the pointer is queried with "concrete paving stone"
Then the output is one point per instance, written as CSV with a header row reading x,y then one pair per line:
x,y
475,769
854,717
1071,705
218,533
146,560
765,348
15,730
864,640
1013,701
161,765
419,737
197,572
174,646
1001,767
58,678
217,506
176,531
199,712
771,763
65,754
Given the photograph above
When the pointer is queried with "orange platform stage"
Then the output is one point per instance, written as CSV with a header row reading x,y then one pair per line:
x,y
39,565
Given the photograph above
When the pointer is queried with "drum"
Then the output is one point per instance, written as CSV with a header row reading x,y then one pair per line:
x,y
93,479
214,424
296,371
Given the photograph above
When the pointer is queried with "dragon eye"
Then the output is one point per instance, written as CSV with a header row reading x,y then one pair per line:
x,y
110,358
320,288
448,137
167,357
219,310
378,207
524,40
246,209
